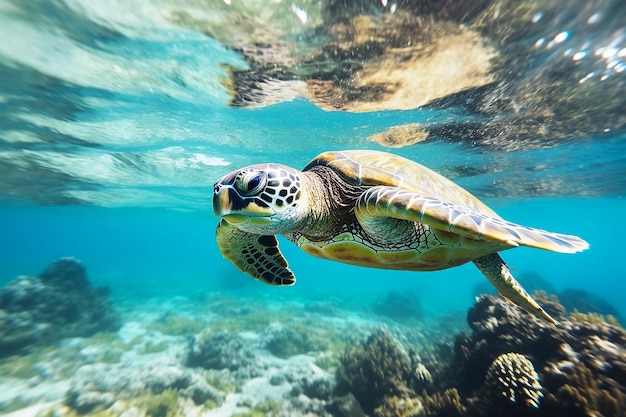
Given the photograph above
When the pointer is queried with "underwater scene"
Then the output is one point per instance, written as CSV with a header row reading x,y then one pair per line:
x,y
326,208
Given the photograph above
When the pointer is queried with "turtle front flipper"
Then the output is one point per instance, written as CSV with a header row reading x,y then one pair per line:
x,y
384,201
497,272
256,255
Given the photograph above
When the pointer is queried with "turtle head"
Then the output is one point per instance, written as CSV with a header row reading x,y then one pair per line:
x,y
262,199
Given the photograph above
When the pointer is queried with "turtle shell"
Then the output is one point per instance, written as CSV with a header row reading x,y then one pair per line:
x,y
371,168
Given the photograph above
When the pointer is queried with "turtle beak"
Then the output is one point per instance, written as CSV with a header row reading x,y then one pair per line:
x,y
221,201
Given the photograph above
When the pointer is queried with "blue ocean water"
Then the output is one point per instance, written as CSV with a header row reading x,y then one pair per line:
x,y
148,252
117,117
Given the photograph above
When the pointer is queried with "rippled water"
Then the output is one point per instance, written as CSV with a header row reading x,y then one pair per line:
x,y
128,103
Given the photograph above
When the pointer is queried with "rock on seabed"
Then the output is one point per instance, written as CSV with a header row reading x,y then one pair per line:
x,y
57,304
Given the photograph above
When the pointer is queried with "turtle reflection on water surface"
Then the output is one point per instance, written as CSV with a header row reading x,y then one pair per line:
x,y
371,209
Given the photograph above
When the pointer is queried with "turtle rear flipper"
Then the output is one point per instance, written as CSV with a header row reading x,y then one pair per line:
x,y
383,201
256,255
497,272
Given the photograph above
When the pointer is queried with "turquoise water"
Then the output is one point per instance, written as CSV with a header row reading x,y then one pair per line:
x,y
116,118
146,252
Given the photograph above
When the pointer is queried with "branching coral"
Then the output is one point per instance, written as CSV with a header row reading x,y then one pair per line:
x,y
585,396
445,403
422,375
378,368
400,407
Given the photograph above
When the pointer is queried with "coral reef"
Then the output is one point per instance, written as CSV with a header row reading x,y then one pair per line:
x,y
581,364
446,403
513,377
423,376
399,407
510,364
584,396
377,369
506,363
59,303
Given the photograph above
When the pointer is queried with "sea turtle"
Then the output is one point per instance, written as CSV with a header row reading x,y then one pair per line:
x,y
372,209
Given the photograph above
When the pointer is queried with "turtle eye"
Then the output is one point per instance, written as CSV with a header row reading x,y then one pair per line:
x,y
250,182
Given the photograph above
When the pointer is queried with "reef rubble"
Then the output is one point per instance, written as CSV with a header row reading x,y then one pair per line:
x,y
224,355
